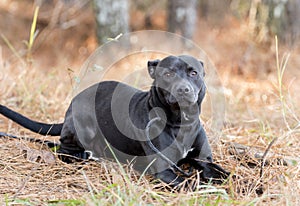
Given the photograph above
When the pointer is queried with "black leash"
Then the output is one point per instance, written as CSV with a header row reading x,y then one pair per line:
x,y
173,164
30,139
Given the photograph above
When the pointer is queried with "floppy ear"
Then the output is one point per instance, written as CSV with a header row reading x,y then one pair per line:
x,y
201,96
202,64
152,67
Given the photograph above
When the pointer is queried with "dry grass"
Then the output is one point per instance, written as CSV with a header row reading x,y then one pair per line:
x,y
259,109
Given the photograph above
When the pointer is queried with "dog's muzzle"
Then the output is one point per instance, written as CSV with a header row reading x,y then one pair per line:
x,y
183,94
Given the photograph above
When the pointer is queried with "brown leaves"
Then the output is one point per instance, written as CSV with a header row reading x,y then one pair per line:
x,y
35,155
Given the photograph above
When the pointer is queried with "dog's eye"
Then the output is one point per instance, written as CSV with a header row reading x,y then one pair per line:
x,y
169,74
193,73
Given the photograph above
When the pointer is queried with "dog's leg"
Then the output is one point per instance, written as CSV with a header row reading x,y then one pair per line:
x,y
201,148
70,149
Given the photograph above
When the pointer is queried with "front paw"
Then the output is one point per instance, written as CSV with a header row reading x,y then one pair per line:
x,y
211,172
169,177
176,182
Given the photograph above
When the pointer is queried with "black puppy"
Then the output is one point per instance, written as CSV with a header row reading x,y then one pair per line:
x,y
157,131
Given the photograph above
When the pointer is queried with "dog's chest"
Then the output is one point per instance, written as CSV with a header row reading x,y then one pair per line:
x,y
185,152
184,138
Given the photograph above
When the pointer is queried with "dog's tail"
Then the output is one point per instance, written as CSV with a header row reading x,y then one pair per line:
x,y
37,127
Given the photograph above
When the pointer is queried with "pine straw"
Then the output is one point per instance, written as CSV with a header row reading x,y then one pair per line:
x,y
39,181
106,183
88,182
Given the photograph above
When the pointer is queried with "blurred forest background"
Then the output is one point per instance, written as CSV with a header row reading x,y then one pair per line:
x,y
75,27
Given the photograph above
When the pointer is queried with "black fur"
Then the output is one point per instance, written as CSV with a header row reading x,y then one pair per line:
x,y
109,119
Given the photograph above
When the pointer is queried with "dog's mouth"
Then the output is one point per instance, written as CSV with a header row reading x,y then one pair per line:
x,y
182,101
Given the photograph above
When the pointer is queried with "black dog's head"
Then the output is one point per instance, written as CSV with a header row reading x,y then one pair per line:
x,y
179,79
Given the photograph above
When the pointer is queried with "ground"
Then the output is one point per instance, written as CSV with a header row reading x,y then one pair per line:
x,y
262,110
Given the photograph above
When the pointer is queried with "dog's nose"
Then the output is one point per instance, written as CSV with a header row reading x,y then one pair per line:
x,y
184,89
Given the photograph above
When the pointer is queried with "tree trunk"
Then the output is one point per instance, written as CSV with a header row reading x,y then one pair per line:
x,y
279,18
293,13
182,16
112,18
